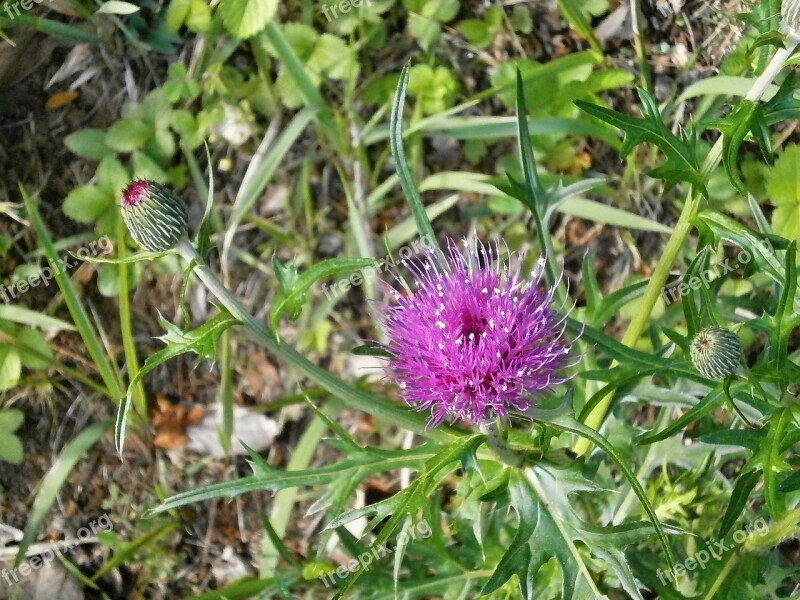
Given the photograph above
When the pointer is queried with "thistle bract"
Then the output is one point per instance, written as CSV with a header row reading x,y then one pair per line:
x,y
474,339
716,352
154,216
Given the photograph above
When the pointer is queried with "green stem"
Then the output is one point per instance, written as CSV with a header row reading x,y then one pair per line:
x,y
351,396
639,45
778,531
637,326
128,346
498,445
107,370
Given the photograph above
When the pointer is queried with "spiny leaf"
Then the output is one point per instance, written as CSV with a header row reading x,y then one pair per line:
x,y
291,298
681,157
549,527
735,128
739,495
202,341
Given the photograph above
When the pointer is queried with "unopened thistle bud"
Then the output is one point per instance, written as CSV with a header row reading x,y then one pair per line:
x,y
790,18
155,217
716,352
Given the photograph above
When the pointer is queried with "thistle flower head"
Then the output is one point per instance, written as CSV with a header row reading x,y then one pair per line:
x,y
716,352
154,216
474,339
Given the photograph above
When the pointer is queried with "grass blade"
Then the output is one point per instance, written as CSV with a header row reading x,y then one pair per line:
x,y
55,477
108,372
398,152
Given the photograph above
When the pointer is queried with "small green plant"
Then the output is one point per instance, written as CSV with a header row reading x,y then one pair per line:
x,y
11,450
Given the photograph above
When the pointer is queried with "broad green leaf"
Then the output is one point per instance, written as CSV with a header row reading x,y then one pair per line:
x,y
128,134
333,58
783,188
436,89
88,143
26,316
86,203
10,420
11,450
177,13
245,18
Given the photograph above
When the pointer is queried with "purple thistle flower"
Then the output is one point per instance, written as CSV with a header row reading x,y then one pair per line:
x,y
475,339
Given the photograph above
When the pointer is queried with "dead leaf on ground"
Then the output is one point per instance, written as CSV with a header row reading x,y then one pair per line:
x,y
171,421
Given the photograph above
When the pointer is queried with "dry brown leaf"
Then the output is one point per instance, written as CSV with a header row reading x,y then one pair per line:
x,y
56,101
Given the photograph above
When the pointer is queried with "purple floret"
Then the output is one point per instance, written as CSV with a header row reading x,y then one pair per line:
x,y
474,340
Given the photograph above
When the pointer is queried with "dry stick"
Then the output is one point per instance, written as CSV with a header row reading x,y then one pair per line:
x,y
637,326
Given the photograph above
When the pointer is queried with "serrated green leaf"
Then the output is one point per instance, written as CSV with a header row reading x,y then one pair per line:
x,y
291,300
681,158
562,418
549,527
735,128
363,463
712,400
201,341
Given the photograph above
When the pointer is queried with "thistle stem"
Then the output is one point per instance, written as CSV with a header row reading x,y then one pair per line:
x,y
497,444
352,396
681,231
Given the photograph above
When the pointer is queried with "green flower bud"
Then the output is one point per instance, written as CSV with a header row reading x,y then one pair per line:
x,y
716,352
155,217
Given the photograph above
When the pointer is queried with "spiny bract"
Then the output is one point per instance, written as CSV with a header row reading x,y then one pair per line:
x,y
154,216
716,352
